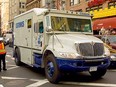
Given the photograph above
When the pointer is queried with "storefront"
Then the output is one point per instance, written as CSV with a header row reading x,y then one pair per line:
x,y
106,23
104,14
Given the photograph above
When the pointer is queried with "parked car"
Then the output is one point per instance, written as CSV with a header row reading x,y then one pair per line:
x,y
10,42
7,38
110,40
113,55
110,43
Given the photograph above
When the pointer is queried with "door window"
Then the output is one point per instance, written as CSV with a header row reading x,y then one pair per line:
x,y
38,27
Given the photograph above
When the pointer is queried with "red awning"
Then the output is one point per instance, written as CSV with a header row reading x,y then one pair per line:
x,y
107,23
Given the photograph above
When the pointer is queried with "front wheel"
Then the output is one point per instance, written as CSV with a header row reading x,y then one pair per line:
x,y
51,69
99,73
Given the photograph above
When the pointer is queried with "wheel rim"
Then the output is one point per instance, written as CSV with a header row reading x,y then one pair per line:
x,y
50,69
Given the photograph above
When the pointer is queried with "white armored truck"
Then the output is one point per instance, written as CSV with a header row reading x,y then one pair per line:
x,y
58,41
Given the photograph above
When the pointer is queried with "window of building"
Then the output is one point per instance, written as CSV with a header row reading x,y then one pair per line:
x,y
88,9
74,2
94,8
80,10
63,5
53,6
78,1
10,25
110,4
22,5
19,4
86,0
71,2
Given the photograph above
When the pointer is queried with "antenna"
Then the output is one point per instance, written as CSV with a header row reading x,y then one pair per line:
x,y
57,39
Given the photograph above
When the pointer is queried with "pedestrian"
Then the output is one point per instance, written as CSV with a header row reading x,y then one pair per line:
x,y
2,55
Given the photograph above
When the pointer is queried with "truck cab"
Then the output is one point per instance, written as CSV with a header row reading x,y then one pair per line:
x,y
59,41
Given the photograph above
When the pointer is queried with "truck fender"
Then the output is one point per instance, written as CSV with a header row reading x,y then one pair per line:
x,y
45,54
17,55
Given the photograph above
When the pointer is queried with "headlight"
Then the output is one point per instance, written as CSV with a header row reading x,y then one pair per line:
x,y
69,55
107,52
113,57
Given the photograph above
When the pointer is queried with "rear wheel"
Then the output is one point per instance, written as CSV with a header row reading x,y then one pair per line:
x,y
99,73
17,57
51,69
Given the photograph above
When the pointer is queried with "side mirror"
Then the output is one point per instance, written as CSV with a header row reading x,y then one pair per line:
x,y
49,29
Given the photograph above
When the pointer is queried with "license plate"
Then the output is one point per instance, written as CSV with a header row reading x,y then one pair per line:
x,y
93,69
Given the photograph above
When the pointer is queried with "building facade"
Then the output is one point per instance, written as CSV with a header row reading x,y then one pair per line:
x,y
16,7
4,15
76,5
34,4
103,11
0,22
50,4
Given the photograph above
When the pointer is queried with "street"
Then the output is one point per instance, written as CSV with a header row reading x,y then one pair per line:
x,y
25,76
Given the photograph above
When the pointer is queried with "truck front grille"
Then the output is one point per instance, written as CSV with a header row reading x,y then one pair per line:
x,y
89,49
98,49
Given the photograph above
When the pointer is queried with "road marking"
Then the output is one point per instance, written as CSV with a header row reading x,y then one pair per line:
x,y
13,58
8,56
3,77
13,67
6,61
34,80
112,70
89,84
39,83
1,85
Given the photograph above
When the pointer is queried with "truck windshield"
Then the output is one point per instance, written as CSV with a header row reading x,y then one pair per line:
x,y
70,24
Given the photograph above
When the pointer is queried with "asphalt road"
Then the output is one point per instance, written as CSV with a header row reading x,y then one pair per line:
x,y
25,76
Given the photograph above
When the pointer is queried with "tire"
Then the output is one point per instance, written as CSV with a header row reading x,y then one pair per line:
x,y
51,69
17,57
99,73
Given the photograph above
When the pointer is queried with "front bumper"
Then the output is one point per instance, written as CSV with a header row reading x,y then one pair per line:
x,y
79,65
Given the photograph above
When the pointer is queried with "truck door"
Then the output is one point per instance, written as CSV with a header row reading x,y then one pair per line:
x,y
38,36
28,33
27,41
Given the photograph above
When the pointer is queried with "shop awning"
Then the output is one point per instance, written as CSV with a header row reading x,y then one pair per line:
x,y
107,23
